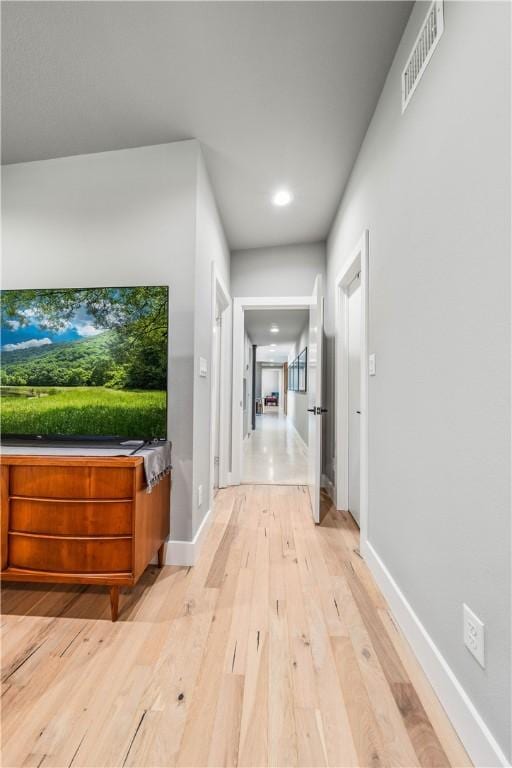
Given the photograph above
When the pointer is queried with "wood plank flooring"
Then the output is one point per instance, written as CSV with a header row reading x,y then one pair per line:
x,y
275,649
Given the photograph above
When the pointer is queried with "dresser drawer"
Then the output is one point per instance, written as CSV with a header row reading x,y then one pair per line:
x,y
71,518
68,555
67,482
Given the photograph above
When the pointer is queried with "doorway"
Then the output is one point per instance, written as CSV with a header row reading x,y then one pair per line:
x,y
220,391
351,389
354,396
275,448
217,348
302,366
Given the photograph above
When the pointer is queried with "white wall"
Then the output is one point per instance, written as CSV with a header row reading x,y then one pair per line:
x,y
137,216
433,187
211,247
272,381
288,270
298,401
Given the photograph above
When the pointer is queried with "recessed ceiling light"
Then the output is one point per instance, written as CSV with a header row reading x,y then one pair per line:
x,y
273,345
274,329
282,197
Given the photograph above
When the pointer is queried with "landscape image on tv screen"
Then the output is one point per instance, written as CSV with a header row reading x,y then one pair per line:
x,y
86,362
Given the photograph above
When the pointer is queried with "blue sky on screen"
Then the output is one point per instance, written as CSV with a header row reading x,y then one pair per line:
x,y
31,335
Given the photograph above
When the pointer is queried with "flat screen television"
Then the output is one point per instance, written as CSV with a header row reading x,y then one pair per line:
x,y
84,363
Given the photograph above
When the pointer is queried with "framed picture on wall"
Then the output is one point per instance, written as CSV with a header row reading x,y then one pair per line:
x,y
303,370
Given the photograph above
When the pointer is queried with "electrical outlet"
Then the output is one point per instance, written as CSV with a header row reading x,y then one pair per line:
x,y
474,638
199,495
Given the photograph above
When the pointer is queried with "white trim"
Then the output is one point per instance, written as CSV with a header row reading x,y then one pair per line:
x,y
225,395
220,294
187,552
329,488
301,440
273,302
240,304
479,742
358,261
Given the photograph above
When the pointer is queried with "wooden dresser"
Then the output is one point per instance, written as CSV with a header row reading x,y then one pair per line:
x,y
81,520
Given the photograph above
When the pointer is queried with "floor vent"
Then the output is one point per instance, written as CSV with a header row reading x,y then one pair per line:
x,y
424,46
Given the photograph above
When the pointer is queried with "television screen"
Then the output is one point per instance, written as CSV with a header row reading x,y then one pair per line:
x,y
87,362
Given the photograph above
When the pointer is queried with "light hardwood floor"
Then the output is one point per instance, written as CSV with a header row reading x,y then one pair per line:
x,y
276,649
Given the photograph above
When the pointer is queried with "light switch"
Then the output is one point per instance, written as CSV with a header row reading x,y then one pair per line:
x,y
371,365
203,367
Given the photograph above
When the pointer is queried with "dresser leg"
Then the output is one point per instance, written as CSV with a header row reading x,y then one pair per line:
x,y
161,555
114,602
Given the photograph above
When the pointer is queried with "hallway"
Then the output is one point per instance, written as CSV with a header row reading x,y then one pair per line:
x,y
276,649
274,453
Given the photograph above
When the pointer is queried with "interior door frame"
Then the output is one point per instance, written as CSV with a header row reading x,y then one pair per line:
x,y
240,305
221,296
357,261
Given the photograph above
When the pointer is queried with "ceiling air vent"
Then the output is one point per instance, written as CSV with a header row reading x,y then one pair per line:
x,y
424,46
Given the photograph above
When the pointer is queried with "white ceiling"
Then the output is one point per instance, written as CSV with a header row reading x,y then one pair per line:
x,y
290,323
278,354
279,93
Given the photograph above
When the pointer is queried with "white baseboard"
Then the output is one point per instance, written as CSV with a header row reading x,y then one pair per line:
x,y
187,552
297,433
479,742
329,488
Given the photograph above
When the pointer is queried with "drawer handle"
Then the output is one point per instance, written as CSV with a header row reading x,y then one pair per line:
x,y
69,538
51,500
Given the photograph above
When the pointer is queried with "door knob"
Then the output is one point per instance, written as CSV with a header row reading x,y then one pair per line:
x,y
358,412
311,410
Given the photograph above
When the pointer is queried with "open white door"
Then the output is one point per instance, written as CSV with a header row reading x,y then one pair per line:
x,y
316,333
